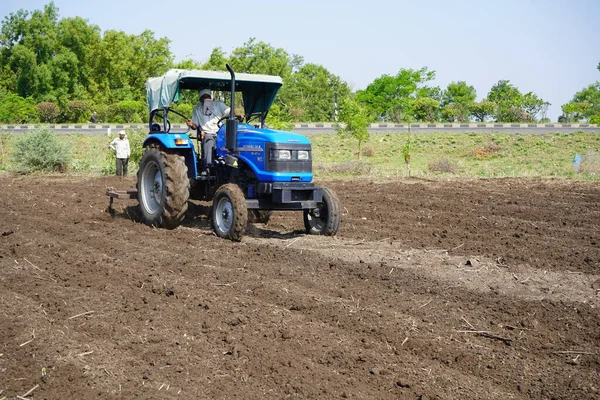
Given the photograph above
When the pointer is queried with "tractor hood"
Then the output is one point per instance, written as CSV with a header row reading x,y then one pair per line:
x,y
248,132
258,91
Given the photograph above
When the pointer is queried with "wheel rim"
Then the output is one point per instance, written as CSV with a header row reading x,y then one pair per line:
x,y
152,188
320,221
224,215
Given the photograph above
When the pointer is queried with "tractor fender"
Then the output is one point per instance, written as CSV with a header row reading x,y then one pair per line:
x,y
175,143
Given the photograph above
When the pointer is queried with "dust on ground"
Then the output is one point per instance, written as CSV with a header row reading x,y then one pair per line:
x,y
431,290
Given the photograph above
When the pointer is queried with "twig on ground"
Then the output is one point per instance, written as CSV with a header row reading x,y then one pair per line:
x,y
423,305
500,263
82,314
30,391
496,337
575,352
293,241
444,250
27,342
468,323
404,341
489,335
85,353
223,284
32,264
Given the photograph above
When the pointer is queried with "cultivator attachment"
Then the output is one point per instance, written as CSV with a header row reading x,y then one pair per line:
x,y
119,194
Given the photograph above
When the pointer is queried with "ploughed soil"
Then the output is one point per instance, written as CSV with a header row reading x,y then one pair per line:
x,y
482,289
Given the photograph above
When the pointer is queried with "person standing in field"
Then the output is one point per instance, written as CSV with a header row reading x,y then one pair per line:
x,y
121,146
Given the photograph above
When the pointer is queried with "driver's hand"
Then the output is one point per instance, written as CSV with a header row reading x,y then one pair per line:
x,y
190,123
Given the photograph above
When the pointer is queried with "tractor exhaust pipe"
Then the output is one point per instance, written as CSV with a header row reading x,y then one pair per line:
x,y
232,124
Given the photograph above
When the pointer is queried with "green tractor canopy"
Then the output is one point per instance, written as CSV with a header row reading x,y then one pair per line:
x,y
258,91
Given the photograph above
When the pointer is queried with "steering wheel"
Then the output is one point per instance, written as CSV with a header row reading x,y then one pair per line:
x,y
182,116
157,115
240,118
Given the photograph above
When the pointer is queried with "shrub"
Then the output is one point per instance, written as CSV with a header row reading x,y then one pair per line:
x,y
486,151
48,112
127,111
14,109
443,166
369,151
590,163
41,151
354,168
78,111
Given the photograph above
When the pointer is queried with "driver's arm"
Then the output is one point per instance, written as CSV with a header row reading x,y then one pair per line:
x,y
191,124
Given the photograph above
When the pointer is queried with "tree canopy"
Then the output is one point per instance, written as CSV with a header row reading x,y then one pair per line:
x,y
56,70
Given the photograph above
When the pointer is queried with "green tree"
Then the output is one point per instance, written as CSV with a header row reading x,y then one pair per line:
x,y
575,111
426,109
390,98
534,106
482,110
461,95
508,100
355,121
188,64
310,93
261,58
452,113
216,61
584,106
14,109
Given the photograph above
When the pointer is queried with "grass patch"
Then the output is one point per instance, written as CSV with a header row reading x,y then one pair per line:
x,y
433,155
471,155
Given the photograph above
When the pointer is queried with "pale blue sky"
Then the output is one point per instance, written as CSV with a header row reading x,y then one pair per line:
x,y
549,47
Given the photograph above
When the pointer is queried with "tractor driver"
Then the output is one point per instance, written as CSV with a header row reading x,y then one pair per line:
x,y
205,116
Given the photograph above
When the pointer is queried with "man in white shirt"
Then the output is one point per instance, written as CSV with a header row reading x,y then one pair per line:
x,y
121,146
205,116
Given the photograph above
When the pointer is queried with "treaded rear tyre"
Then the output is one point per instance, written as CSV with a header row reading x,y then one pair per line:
x,y
325,220
163,188
229,213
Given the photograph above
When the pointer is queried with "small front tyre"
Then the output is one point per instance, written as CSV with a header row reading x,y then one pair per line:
x,y
229,213
325,219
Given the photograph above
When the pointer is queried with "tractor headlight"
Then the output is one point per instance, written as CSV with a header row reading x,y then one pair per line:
x,y
281,155
303,155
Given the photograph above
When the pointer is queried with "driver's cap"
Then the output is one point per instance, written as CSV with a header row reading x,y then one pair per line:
x,y
203,92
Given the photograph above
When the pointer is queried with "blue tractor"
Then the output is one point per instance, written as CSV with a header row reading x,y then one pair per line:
x,y
251,171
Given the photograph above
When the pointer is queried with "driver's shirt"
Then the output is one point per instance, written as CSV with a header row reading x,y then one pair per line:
x,y
206,115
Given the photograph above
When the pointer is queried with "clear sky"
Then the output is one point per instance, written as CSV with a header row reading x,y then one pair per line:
x,y
549,47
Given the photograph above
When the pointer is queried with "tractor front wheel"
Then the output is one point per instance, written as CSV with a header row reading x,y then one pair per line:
x,y
325,219
163,188
229,213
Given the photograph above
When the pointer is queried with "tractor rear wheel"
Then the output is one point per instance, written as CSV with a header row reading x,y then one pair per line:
x,y
229,213
325,219
163,188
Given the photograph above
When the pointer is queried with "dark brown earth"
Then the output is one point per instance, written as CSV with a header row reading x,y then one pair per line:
x,y
431,290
